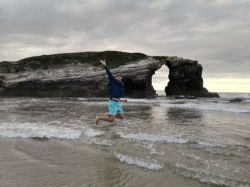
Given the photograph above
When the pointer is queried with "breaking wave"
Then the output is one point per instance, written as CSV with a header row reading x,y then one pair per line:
x,y
140,162
209,178
93,133
169,139
153,138
214,107
33,130
29,130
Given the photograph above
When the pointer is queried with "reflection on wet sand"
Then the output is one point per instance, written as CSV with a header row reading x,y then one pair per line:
x,y
193,146
184,116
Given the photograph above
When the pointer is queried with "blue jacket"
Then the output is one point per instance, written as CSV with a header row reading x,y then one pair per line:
x,y
115,86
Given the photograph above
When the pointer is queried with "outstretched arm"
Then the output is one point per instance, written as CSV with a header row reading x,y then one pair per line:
x,y
110,75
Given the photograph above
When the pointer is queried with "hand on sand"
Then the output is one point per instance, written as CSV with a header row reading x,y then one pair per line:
x,y
103,62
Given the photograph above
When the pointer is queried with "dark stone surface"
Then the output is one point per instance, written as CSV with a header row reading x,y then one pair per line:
x,y
1,81
185,78
81,75
236,100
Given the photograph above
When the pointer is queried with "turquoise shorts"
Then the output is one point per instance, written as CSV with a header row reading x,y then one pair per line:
x,y
114,108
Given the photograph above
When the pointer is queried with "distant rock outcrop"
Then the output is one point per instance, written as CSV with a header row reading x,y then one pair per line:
x,y
236,100
80,75
185,78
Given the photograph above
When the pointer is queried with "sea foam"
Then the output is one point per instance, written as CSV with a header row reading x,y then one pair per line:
x,y
168,139
93,133
31,130
209,178
140,162
153,137
214,107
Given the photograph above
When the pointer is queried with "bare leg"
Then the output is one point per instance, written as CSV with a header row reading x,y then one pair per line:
x,y
119,116
104,118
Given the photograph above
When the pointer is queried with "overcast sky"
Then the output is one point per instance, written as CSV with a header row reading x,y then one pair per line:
x,y
215,32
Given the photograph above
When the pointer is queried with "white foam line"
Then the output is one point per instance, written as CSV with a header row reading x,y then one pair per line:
x,y
208,178
166,139
209,144
140,162
214,107
153,138
61,133
93,133
30,130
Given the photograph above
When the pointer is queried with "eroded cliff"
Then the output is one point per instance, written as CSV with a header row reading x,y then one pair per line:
x,y
80,75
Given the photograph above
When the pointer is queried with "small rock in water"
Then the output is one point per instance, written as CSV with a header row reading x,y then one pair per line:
x,y
44,138
185,97
236,100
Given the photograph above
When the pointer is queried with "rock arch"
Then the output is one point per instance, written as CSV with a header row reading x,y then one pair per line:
x,y
160,80
80,75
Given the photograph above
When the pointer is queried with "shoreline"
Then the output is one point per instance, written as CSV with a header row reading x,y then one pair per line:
x,y
160,142
27,162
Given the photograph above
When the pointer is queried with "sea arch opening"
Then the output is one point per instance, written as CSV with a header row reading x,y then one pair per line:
x,y
160,80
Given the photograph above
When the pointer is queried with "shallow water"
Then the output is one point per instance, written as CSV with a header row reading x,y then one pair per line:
x,y
206,141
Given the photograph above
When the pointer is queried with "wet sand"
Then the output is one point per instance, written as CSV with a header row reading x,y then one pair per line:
x,y
27,162
161,142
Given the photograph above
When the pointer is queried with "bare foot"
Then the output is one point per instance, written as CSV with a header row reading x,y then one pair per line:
x,y
97,120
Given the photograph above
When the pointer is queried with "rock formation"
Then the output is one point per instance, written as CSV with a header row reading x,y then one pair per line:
x,y
80,75
185,78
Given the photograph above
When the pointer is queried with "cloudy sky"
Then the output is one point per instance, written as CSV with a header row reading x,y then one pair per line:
x,y
215,32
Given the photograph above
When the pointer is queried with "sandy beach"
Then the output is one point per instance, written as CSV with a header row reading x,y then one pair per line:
x,y
27,162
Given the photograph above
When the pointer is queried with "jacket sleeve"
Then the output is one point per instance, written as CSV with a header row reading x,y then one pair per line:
x,y
110,75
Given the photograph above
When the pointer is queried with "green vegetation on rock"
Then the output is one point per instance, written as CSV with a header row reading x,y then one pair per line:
x,y
114,59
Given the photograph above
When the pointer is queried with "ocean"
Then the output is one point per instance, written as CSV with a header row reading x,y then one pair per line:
x,y
160,142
